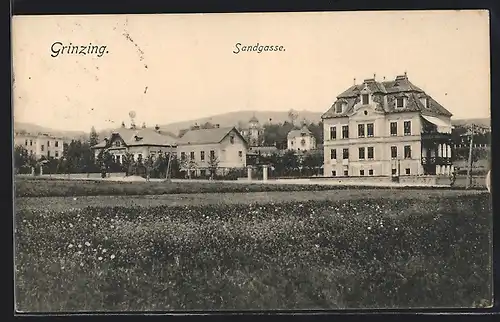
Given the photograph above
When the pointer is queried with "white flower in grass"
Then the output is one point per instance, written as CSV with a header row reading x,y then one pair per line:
x,y
369,228
70,245
112,226
104,250
81,264
71,225
112,256
99,258
79,245
87,244
396,228
74,198
94,225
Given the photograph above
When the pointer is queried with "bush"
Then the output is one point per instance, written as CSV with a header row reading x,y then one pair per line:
x,y
299,255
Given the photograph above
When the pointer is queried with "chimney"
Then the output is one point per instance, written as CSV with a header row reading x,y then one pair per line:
x,y
354,80
123,124
157,128
143,125
374,76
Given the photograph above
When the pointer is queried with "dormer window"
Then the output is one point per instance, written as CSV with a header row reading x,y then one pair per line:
x,y
231,139
117,143
400,102
340,107
365,99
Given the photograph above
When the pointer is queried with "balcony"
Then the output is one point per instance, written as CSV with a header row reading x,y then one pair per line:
x,y
436,136
436,161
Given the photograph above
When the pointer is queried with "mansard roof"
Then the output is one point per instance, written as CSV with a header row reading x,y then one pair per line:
x,y
385,94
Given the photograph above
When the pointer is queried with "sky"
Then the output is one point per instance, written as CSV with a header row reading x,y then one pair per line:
x,y
170,68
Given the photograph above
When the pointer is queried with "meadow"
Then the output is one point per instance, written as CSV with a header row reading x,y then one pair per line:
x,y
343,248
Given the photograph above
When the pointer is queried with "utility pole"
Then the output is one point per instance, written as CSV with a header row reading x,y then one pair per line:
x,y
468,183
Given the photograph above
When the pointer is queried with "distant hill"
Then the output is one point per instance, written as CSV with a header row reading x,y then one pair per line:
x,y
242,117
228,119
486,122
35,129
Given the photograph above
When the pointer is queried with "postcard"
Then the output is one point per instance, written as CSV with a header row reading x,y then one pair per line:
x,y
252,161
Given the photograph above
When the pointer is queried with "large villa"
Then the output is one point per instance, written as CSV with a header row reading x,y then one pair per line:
x,y
386,128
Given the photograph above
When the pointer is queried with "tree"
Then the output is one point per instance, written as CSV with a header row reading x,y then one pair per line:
x,y
94,137
127,162
148,164
312,162
290,162
292,116
213,164
20,157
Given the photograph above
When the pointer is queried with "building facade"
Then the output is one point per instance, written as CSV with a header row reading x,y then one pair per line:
x,y
219,149
388,128
40,145
301,140
140,142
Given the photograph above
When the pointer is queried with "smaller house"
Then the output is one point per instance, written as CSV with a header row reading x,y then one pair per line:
x,y
141,142
300,140
219,149
256,154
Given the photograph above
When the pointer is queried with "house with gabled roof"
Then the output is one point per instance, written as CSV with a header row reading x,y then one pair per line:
x,y
140,142
301,139
220,148
387,128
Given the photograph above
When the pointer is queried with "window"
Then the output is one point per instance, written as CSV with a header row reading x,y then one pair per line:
x,y
42,147
139,156
394,152
57,154
231,139
48,143
393,171
370,152
407,152
183,155
345,131
48,154
118,158
333,154
407,128
399,102
240,154
427,102
361,172
346,173
369,129
117,143
191,155
394,128
334,173
361,153
407,170
370,172
212,154
338,107
333,133
345,154
57,144
365,99
31,142
361,130
202,155
26,142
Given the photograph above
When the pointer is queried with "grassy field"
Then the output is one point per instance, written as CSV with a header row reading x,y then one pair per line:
x,y
349,248
46,187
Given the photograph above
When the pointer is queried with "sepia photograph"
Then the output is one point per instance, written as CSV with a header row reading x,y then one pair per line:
x,y
252,161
